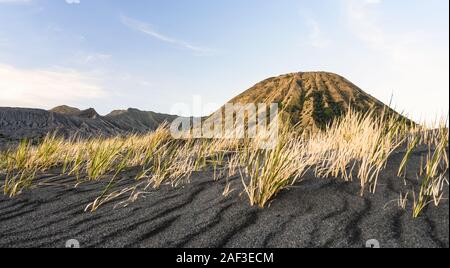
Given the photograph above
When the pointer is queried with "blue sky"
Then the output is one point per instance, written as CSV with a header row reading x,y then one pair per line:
x,y
113,54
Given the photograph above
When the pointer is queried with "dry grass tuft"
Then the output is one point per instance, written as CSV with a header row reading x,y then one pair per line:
x,y
356,146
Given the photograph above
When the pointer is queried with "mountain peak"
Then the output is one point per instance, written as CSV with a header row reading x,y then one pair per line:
x,y
65,109
90,113
122,112
310,98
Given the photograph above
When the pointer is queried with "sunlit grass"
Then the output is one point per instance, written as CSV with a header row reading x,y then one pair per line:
x,y
435,171
355,147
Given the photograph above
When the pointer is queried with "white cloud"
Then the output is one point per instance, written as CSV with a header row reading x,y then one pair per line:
x,y
148,30
372,1
14,1
407,63
316,38
89,58
45,88
96,57
363,23
70,2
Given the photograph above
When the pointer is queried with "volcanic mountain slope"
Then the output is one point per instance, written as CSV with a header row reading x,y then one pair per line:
x,y
64,109
20,123
311,98
138,121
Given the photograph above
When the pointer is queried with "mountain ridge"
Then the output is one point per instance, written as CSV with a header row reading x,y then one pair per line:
x,y
28,123
311,99
308,99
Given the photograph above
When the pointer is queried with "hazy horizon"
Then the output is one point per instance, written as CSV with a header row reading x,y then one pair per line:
x,y
151,55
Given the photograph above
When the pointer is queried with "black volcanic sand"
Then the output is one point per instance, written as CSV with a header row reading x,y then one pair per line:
x,y
314,213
